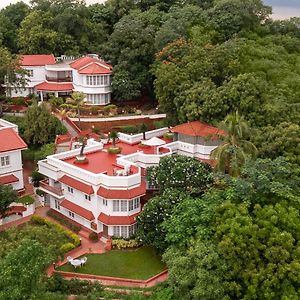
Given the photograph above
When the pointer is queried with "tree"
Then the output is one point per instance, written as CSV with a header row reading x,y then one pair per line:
x,y
77,98
232,153
113,135
7,197
29,259
40,126
144,129
181,172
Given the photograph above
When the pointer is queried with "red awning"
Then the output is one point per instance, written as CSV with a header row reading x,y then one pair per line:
x,y
6,179
15,210
78,210
54,87
76,184
117,220
123,194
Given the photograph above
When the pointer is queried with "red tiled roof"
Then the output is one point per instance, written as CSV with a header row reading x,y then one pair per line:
x,y
117,220
95,68
6,179
197,128
10,140
37,60
84,61
122,194
76,184
83,212
15,210
54,87
62,138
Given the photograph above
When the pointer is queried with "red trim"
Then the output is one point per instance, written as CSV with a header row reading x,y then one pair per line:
x,y
117,220
77,209
6,179
123,194
76,184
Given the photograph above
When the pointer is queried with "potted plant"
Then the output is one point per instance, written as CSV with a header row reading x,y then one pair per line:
x,y
81,158
114,149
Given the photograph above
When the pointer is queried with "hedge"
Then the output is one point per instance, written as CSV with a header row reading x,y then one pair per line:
x,y
73,227
123,244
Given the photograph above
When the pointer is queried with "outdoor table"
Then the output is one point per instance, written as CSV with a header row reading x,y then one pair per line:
x,y
76,262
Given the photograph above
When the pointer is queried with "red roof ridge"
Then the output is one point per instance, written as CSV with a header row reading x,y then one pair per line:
x,y
12,140
97,63
77,184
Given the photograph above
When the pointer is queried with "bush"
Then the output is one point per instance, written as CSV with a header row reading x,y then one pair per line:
x,y
168,135
159,124
94,237
67,247
114,150
110,107
38,220
73,227
40,192
36,178
129,129
123,244
26,200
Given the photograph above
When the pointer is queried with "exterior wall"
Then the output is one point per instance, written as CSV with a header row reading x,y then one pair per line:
x,y
15,167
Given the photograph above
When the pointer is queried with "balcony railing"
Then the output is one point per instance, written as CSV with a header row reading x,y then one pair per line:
x,y
44,184
60,79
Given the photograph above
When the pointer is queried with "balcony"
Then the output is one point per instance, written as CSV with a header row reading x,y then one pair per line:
x,y
60,79
52,190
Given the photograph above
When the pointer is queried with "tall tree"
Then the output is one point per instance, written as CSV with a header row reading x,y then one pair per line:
x,y
232,153
7,196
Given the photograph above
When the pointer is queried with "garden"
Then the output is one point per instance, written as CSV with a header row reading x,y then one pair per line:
x,y
141,263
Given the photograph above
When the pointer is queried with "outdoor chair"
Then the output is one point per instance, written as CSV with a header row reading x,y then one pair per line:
x,y
83,260
69,259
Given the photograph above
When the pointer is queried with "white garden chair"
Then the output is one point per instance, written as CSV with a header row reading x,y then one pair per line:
x,y
69,259
83,260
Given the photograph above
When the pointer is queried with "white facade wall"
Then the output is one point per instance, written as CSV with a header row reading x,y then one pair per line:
x,y
15,167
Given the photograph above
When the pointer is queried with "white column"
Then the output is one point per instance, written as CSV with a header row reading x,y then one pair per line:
x,y
41,95
56,94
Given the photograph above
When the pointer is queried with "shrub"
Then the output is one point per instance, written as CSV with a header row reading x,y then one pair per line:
x,y
36,178
73,227
38,220
159,124
40,192
129,129
67,247
123,244
94,237
26,200
114,150
168,135
110,107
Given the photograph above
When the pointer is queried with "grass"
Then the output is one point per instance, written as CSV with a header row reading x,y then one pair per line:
x,y
142,263
25,200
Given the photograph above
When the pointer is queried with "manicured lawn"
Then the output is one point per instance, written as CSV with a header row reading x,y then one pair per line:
x,y
142,263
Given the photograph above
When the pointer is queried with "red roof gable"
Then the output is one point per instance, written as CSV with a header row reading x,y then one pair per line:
x,y
10,140
54,87
197,128
6,179
85,213
86,60
76,184
95,68
117,220
37,60
122,194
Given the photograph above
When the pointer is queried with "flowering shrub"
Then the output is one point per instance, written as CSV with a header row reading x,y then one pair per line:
x,y
123,244
67,247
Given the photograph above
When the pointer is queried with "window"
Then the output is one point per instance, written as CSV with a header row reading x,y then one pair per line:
x,y
124,231
98,80
99,99
4,161
132,229
57,206
70,190
116,204
87,197
30,73
104,202
71,214
117,231
123,205
134,204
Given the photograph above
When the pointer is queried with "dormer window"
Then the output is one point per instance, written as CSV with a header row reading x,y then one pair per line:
x,y
70,190
30,73
87,197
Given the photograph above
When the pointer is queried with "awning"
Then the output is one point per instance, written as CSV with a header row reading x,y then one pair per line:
x,y
123,194
78,210
154,142
76,184
15,210
6,179
54,87
117,220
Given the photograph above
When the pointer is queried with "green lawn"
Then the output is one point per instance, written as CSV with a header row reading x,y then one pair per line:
x,y
142,263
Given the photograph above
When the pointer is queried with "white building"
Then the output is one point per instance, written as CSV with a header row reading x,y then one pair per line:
x,y
11,145
106,192
47,75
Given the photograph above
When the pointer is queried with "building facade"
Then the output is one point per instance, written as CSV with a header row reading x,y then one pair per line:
x,y
105,193
61,76
11,145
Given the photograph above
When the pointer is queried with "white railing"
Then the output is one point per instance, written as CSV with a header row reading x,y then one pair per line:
x,y
136,138
6,124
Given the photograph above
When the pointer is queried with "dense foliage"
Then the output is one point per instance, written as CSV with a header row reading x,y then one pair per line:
x,y
7,197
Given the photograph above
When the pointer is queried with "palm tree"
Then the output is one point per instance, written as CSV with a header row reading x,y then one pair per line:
x,y
113,135
144,128
77,98
232,153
